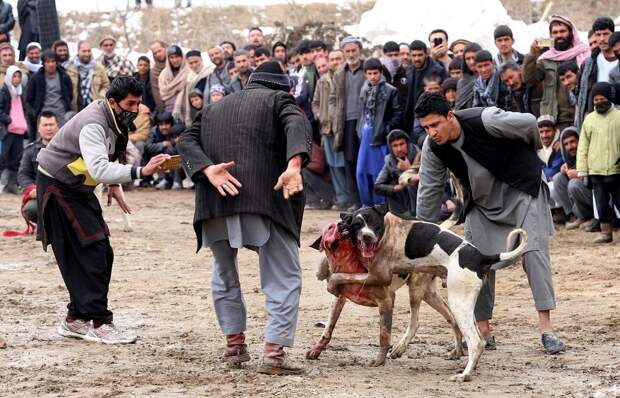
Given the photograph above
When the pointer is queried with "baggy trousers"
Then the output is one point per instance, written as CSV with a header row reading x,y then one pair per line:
x,y
280,277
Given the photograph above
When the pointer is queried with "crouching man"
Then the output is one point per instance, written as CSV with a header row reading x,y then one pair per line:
x,y
266,141
81,156
403,154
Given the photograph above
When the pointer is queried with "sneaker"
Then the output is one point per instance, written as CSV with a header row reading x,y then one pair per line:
x,y
109,334
187,184
177,185
162,185
552,343
595,226
76,328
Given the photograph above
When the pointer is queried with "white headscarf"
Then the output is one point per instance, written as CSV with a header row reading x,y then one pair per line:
x,y
8,80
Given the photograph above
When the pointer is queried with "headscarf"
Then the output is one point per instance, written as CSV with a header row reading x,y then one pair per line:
x,y
15,91
579,51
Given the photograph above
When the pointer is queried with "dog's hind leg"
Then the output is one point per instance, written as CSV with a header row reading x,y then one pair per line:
x,y
463,289
386,307
334,314
416,293
437,302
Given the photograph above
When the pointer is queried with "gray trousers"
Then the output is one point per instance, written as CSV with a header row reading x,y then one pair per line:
x,y
537,267
573,196
280,277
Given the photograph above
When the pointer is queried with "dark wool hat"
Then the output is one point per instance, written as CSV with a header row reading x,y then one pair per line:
x,y
270,67
613,39
502,31
174,50
196,93
304,47
455,63
603,88
390,47
448,84
164,117
483,56
193,53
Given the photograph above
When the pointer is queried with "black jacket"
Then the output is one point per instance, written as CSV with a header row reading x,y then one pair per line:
x,y
7,20
27,174
36,92
147,95
387,113
260,128
416,87
401,82
28,23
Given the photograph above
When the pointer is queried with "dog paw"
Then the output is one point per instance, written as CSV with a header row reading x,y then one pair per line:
x,y
461,377
314,352
454,354
128,229
398,350
377,362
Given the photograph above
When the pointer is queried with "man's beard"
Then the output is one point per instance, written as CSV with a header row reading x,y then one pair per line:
x,y
563,44
354,61
83,62
62,58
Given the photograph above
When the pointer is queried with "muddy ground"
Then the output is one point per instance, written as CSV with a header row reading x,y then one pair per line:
x,y
160,290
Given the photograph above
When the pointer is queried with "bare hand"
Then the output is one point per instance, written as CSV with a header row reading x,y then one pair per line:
x,y
154,165
564,169
291,181
403,164
116,193
571,173
222,180
438,51
450,205
398,188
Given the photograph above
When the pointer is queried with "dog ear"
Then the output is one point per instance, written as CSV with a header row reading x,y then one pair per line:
x,y
381,209
346,219
317,243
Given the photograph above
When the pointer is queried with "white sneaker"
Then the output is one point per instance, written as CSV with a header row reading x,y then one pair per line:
x,y
77,328
109,334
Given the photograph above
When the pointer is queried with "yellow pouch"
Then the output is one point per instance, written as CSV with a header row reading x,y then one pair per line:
x,y
78,168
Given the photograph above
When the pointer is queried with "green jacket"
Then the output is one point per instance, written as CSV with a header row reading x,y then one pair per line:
x,y
599,144
555,100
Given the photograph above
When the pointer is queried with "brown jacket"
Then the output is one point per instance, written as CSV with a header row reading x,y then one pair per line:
x,y
337,99
143,125
101,83
320,104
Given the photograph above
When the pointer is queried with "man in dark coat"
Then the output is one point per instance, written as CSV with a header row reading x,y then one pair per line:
x,y
260,134
423,66
29,25
50,89
7,20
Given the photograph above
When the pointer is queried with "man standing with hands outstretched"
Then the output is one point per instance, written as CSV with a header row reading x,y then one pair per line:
x,y
241,152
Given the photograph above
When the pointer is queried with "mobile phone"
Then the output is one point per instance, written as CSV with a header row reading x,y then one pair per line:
x,y
437,41
545,42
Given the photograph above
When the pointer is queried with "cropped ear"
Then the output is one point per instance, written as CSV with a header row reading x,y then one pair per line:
x,y
346,220
317,244
381,209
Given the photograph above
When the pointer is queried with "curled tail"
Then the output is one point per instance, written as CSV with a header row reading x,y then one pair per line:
x,y
509,255
460,198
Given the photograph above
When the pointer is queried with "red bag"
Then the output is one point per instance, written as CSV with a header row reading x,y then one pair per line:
x,y
317,163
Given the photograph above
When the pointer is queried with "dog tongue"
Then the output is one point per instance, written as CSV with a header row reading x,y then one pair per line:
x,y
366,250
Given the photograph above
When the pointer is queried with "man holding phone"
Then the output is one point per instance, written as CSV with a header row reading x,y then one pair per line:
x,y
438,39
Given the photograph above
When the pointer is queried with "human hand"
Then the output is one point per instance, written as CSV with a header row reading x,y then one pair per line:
x,y
564,169
403,165
571,173
438,51
154,165
535,49
222,180
450,205
398,188
114,191
291,181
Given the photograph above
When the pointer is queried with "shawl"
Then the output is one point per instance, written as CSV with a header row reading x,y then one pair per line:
x,y
182,105
579,51
488,91
170,85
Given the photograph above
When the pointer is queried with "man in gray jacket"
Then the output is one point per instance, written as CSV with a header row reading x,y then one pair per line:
x,y
493,155
79,157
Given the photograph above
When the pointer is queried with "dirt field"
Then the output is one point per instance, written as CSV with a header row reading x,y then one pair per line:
x,y
160,290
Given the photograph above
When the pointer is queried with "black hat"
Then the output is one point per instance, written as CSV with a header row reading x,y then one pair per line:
x,y
270,67
456,63
502,31
603,88
484,55
390,47
164,117
193,53
174,50
304,47
448,84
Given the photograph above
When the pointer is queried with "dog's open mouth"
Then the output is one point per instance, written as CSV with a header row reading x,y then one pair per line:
x,y
367,250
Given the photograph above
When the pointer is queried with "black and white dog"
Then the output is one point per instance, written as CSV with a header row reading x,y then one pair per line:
x,y
396,246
